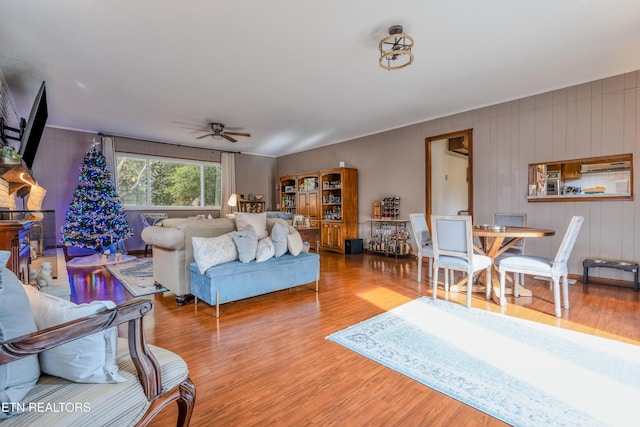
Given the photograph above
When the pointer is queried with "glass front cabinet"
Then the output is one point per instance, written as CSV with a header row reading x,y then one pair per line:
x,y
339,208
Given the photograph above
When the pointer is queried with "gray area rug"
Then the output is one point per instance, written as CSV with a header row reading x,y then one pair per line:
x,y
521,372
136,276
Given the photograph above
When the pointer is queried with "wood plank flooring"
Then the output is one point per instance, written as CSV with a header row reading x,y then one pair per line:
x,y
266,361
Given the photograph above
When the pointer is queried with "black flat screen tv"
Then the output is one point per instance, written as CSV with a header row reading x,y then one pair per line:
x,y
34,128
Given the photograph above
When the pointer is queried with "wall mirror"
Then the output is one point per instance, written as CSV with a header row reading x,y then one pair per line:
x,y
592,178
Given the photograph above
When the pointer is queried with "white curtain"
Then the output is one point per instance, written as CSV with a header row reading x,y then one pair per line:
x,y
109,153
228,164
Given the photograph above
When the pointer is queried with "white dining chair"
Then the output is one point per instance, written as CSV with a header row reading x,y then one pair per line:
x,y
453,250
511,220
555,268
423,241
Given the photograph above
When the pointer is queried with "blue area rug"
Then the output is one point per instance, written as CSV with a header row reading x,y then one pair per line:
x,y
521,372
136,276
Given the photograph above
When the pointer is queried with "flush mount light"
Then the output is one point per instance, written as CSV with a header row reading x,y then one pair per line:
x,y
395,49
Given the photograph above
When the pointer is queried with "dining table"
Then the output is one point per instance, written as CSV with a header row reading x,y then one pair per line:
x,y
494,241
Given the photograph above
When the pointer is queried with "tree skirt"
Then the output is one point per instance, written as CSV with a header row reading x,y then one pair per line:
x,y
97,260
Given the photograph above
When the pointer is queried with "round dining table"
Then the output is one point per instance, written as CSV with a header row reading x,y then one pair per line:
x,y
492,244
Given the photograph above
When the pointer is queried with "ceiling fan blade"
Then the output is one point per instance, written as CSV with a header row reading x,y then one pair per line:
x,y
228,138
204,136
238,133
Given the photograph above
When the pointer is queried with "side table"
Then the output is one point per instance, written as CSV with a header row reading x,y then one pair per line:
x,y
311,235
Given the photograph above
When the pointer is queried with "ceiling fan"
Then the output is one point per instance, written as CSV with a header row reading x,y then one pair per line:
x,y
216,130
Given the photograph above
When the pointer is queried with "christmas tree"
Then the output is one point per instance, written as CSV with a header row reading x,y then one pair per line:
x,y
95,220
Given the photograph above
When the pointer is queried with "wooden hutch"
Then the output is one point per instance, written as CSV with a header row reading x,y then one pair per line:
x,y
329,197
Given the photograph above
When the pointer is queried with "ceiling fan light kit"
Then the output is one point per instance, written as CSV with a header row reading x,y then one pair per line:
x,y
216,131
395,49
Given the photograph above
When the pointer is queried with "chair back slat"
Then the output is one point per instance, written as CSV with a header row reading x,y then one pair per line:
x,y
452,236
569,240
420,229
511,220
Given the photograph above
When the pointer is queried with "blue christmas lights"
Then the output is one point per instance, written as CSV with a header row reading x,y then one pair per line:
x,y
95,219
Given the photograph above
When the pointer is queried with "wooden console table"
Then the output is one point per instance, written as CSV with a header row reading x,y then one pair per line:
x,y
14,237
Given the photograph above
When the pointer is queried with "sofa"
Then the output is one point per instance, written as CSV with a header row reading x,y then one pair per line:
x,y
233,281
172,249
173,253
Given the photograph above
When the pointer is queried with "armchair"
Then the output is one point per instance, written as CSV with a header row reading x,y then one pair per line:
x,y
153,380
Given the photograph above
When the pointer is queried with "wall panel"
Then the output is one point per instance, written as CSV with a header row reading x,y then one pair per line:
x,y
590,119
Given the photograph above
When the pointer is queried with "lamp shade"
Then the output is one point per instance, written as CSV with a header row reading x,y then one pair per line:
x,y
233,200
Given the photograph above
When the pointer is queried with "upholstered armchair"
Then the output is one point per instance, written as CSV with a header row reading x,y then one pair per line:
x,y
154,376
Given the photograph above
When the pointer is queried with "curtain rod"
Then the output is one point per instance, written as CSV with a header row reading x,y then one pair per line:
x,y
166,143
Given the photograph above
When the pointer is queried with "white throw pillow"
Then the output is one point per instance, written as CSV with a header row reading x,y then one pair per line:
x,y
91,359
257,220
211,251
279,233
266,250
294,243
18,377
247,243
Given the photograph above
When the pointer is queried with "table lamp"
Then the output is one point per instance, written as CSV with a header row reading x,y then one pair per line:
x,y
233,202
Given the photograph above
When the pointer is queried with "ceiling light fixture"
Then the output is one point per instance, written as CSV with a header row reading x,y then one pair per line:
x,y
395,49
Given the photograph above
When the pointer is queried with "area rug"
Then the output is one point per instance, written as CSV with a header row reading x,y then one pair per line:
x,y
98,260
136,276
521,372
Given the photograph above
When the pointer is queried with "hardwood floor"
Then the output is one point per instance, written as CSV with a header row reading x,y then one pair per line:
x,y
266,361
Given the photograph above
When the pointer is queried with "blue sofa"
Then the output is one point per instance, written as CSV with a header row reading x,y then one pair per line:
x,y
235,280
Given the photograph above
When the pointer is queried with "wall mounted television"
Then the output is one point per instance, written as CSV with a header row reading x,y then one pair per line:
x,y
35,126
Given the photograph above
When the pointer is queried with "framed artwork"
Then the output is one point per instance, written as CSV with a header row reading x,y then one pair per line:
x,y
298,221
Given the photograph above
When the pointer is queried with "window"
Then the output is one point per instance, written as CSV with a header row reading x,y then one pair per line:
x,y
587,179
146,181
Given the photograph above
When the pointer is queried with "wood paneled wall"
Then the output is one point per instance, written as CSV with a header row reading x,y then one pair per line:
x,y
590,119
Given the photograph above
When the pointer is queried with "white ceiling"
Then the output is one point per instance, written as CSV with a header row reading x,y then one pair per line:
x,y
298,74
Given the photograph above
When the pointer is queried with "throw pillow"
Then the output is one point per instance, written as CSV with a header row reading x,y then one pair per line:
x,y
266,250
247,243
16,378
279,237
287,216
257,220
294,243
211,251
91,359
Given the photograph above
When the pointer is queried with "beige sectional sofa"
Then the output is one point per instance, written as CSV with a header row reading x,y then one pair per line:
x,y
173,248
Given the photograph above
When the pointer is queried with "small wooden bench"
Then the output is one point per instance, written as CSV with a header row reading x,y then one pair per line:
x,y
607,263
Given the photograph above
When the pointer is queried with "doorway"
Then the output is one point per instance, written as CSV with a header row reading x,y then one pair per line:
x,y
449,174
